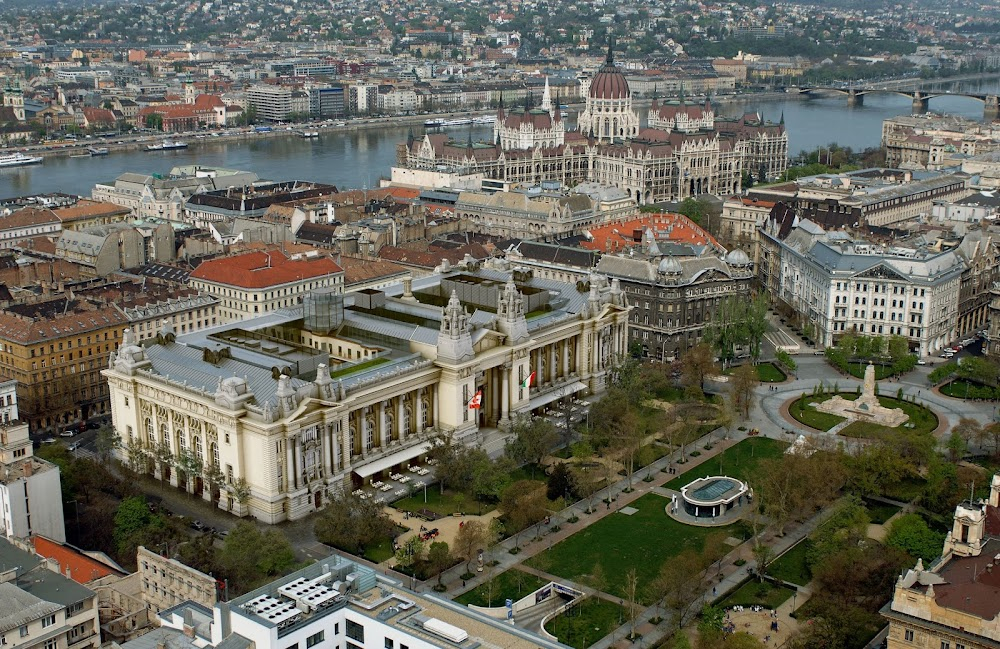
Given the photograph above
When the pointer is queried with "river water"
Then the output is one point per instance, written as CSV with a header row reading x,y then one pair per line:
x,y
357,159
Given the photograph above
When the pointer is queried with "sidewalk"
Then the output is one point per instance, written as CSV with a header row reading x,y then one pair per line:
x,y
731,575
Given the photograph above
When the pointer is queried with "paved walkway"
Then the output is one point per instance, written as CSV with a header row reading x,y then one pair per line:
x,y
728,576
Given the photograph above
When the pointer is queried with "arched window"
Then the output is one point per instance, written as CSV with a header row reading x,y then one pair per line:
x,y
150,433
164,435
215,454
407,417
352,433
426,414
181,441
196,444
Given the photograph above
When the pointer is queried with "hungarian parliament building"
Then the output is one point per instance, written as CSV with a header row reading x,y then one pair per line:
x,y
685,150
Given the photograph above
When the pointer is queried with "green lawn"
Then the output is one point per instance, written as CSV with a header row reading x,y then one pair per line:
x,y
513,584
792,565
443,505
739,461
754,592
921,420
766,373
586,623
618,543
379,552
804,413
965,389
878,512
351,369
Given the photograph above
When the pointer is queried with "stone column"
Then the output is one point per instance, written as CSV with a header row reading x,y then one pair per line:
x,y
400,407
345,439
419,412
553,364
435,418
289,463
538,365
505,393
327,440
383,433
565,357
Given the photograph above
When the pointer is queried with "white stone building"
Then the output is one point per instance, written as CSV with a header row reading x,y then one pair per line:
x,y
30,488
251,417
608,112
840,284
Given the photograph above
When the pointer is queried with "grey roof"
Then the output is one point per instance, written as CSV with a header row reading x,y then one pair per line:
x,y
20,607
83,243
185,364
171,639
35,578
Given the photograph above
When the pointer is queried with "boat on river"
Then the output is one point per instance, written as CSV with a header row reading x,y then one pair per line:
x,y
18,159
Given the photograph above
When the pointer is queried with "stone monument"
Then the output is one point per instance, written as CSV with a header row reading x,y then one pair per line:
x,y
866,407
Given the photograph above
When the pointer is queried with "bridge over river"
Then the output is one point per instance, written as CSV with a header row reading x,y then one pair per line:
x,y
920,96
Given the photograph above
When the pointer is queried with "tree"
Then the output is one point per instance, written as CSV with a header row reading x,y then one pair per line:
x,y
956,445
410,552
560,483
532,440
678,586
240,491
132,517
154,121
490,477
743,382
873,468
631,599
627,436
522,505
351,524
990,434
763,555
586,484
911,534
697,364
250,556
106,442
439,558
471,538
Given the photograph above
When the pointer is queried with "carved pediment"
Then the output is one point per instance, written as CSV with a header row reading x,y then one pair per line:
x,y
880,271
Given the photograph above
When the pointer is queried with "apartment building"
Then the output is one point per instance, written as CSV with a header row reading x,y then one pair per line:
x,y
41,608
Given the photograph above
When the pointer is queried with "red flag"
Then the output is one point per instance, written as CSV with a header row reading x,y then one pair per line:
x,y
477,400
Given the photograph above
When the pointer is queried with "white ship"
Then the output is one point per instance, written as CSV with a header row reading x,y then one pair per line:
x,y
486,119
18,159
166,145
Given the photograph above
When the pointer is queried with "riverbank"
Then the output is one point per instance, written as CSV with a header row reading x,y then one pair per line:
x,y
195,138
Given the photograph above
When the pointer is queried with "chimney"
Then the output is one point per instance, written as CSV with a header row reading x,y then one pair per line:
x,y
28,468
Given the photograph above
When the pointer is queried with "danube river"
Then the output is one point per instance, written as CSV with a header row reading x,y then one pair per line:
x,y
358,158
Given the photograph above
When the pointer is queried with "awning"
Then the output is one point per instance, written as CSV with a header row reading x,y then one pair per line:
x,y
555,394
392,459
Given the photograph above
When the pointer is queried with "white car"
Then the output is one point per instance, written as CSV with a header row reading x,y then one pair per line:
x,y
921,362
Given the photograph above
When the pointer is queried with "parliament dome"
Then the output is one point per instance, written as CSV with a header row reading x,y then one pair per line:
x,y
609,82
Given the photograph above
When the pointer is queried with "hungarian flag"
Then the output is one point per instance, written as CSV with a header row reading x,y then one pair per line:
x,y
477,400
528,381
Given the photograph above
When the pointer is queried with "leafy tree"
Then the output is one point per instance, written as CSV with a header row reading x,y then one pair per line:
x,y
911,534
743,382
956,445
697,364
990,434
439,558
523,504
491,477
250,556
410,552
532,440
560,482
471,538
132,517
874,468
351,524
678,586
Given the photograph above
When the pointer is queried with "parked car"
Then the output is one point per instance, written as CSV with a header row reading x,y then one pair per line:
x,y
197,525
69,432
921,362
49,440
74,446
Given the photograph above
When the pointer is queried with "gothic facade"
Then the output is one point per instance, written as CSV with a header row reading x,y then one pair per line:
x,y
685,152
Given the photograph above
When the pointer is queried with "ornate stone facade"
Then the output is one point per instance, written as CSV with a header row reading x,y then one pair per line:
x,y
254,420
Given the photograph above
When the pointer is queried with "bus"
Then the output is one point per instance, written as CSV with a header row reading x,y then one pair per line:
x,y
263,129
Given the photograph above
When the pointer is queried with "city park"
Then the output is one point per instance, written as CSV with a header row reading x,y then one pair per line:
x,y
693,509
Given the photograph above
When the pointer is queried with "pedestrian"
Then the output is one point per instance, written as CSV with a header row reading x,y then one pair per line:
x,y
463,583
713,591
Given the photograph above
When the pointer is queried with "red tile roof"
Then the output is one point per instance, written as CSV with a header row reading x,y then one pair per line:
x,y
623,234
257,270
72,563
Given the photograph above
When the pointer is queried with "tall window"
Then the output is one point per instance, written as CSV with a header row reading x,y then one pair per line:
x,y
150,433
196,444
407,415
215,455
369,433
